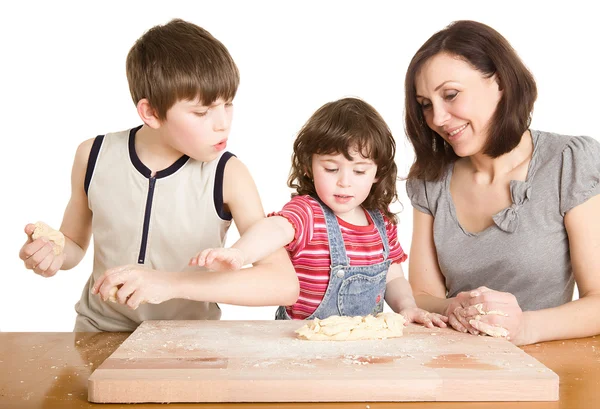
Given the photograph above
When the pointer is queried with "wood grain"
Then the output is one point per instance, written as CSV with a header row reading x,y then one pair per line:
x,y
263,361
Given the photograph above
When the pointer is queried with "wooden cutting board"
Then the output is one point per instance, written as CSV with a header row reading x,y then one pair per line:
x,y
263,361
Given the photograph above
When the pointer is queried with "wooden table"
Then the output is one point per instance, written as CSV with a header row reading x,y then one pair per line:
x,y
50,370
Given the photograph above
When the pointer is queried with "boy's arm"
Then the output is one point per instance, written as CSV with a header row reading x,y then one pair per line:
x,y
77,219
271,281
76,226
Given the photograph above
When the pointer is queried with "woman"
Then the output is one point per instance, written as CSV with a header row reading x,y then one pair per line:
x,y
506,218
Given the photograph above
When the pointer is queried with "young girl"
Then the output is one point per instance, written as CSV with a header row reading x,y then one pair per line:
x,y
338,229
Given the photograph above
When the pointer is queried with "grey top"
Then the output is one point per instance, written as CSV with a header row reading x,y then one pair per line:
x,y
526,251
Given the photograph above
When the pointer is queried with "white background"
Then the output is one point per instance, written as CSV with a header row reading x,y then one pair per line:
x,y
62,77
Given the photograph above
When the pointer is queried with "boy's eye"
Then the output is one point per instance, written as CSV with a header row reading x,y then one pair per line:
x,y
330,170
229,104
201,113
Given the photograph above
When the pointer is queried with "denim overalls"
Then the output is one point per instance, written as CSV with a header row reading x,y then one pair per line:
x,y
355,290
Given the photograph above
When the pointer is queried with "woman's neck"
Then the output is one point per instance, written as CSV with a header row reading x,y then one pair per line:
x,y
489,170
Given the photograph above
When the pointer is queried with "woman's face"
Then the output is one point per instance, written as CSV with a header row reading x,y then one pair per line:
x,y
457,102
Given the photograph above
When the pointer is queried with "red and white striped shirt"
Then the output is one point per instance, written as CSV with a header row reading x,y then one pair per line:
x,y
309,251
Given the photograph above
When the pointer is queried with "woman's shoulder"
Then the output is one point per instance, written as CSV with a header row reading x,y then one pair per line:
x,y
426,194
553,143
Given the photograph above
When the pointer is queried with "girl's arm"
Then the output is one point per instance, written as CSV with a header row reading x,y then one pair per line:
x,y
399,297
427,280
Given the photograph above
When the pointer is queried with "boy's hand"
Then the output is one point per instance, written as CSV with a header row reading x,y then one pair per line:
x,y
136,285
40,255
428,319
219,259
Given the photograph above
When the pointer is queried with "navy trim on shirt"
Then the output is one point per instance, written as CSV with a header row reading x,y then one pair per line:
x,y
218,191
143,169
93,158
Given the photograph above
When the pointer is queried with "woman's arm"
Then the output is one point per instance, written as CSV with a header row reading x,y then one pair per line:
x,y
577,318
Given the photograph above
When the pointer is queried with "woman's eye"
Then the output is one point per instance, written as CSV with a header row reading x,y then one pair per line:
x,y
425,105
451,96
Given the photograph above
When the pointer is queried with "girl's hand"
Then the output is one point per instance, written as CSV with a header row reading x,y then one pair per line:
x,y
40,255
420,316
497,314
219,259
136,285
456,317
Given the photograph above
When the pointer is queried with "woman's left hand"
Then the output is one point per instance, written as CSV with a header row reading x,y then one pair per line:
x,y
497,314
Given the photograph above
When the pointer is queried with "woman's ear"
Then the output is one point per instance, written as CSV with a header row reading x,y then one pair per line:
x,y
498,81
147,113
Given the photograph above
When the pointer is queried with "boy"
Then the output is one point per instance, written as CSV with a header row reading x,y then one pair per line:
x,y
152,196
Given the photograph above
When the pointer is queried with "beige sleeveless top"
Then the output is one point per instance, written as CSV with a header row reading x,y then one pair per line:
x,y
159,222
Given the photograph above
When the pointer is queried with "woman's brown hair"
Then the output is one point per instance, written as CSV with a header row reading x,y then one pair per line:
x,y
491,54
340,127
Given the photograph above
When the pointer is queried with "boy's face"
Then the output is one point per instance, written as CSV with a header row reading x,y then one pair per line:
x,y
196,130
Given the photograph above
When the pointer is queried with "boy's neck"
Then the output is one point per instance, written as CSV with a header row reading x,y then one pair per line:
x,y
152,151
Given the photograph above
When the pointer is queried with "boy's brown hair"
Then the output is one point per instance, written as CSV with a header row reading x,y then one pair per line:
x,y
491,54
180,61
340,127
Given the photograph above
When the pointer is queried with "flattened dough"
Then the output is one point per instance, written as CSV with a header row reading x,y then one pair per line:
x,y
43,230
336,328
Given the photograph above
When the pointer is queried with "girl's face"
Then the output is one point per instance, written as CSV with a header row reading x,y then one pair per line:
x,y
458,102
342,184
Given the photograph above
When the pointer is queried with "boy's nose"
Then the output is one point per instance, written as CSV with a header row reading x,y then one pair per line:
x,y
221,119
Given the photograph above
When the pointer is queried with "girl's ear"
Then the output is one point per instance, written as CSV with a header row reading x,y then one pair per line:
x,y
148,114
308,173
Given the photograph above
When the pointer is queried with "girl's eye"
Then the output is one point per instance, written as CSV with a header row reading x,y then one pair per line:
x,y
360,172
330,170
200,113
229,104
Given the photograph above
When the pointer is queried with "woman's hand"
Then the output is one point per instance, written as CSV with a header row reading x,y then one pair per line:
x,y
456,317
497,314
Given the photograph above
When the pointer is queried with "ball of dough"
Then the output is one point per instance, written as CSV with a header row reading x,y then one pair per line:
x,y
55,236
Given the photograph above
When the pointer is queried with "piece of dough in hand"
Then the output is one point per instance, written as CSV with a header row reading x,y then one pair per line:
x,y
112,294
336,328
55,236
